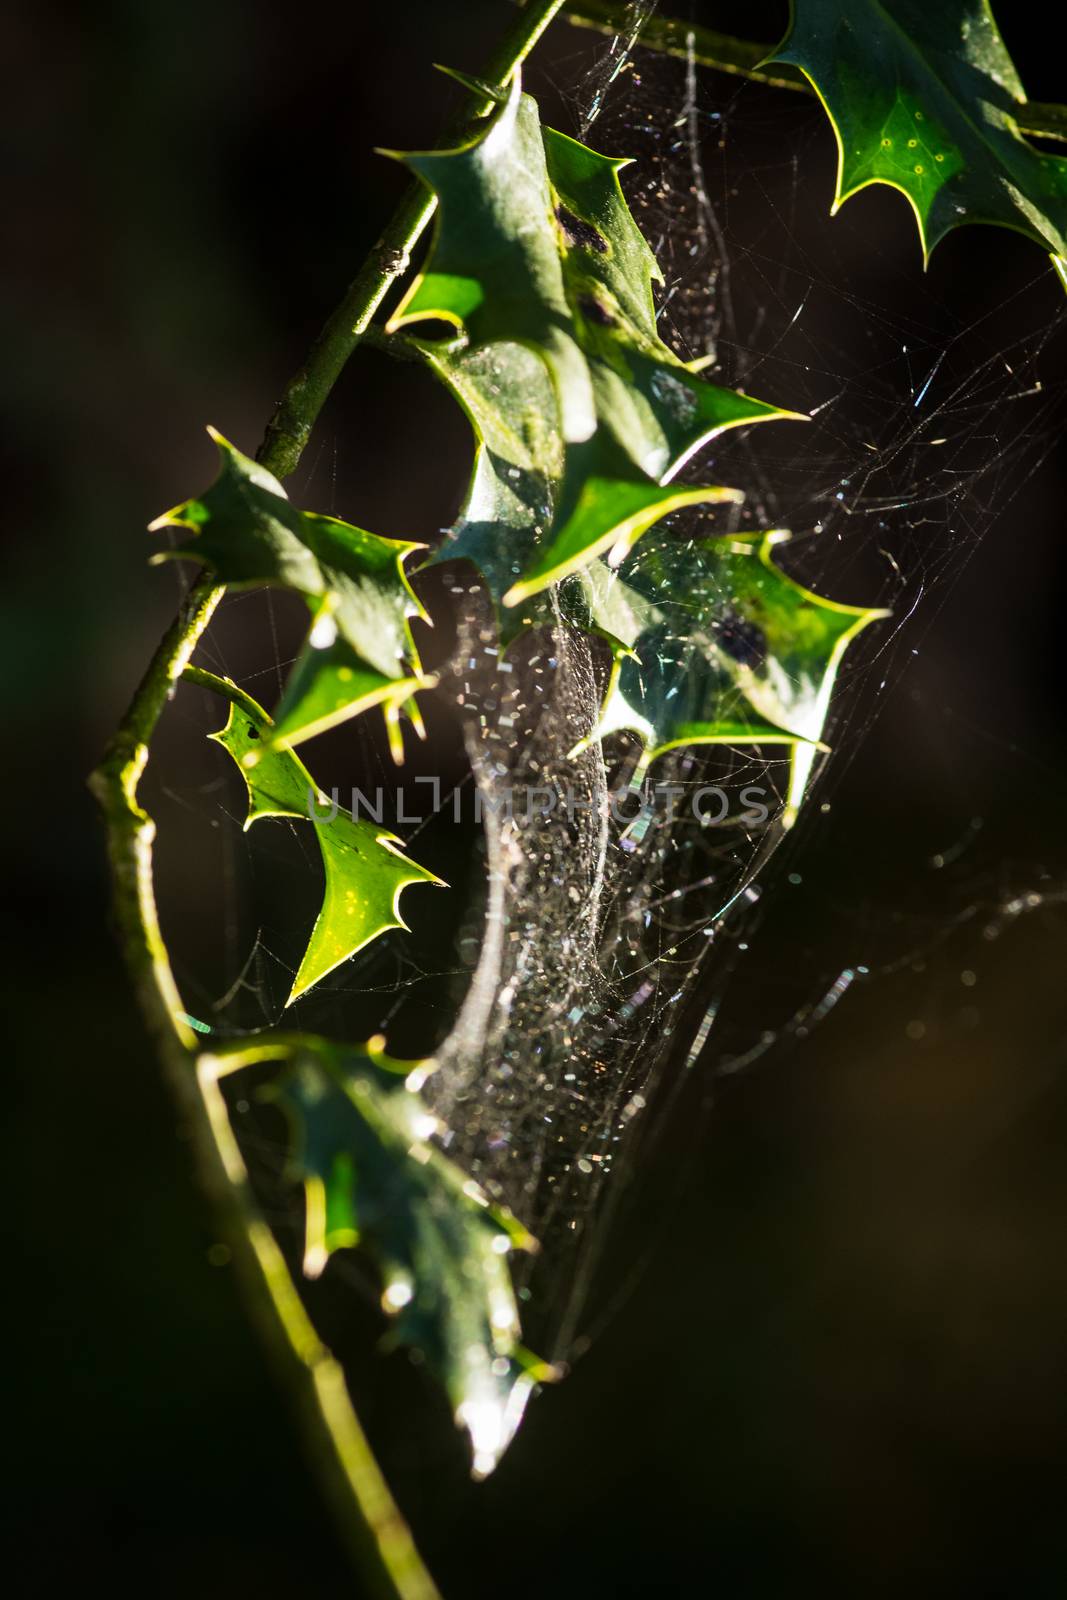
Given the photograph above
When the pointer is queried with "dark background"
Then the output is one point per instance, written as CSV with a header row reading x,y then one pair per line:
x,y
840,1365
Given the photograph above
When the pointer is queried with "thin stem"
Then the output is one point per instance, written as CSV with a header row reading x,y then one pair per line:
x,y
379,1539
671,36
368,1516
131,831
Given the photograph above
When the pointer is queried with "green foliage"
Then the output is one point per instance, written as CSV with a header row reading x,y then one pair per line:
x,y
925,97
359,650
583,416
714,644
583,419
365,868
362,1148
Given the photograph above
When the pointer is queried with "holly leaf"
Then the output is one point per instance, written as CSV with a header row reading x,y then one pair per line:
x,y
366,869
359,651
362,1147
535,252
926,98
714,644
507,393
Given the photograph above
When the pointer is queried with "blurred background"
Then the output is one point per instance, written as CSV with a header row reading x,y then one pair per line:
x,y
828,1344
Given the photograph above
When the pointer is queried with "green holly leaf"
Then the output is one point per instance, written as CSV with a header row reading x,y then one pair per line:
x,y
507,394
363,1149
359,651
536,253
365,867
925,97
714,644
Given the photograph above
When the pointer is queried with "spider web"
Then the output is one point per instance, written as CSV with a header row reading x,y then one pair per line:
x,y
591,962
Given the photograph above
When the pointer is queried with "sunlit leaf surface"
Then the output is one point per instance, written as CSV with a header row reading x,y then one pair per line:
x,y
365,867
923,95
362,1145
583,416
714,644
359,650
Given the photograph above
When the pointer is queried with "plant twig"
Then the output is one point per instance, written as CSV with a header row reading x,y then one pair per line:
x,y
670,36
369,1518
689,41
380,1541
